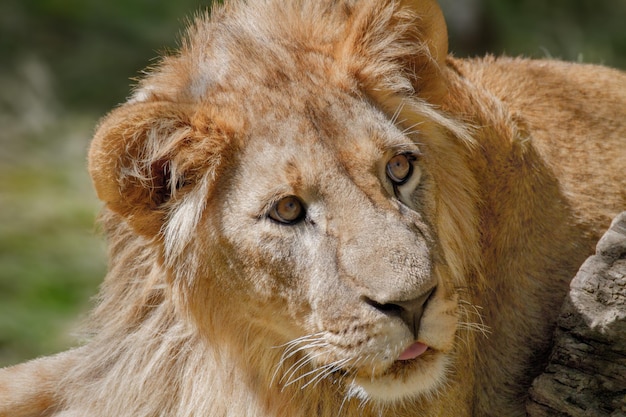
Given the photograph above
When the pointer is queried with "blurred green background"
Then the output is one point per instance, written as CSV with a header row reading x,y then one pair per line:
x,y
64,63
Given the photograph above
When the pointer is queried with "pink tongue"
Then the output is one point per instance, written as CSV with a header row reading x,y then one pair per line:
x,y
413,351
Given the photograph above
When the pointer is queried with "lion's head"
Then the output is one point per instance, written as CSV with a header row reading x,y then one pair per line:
x,y
294,183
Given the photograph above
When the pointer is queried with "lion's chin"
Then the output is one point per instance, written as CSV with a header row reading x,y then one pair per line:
x,y
403,380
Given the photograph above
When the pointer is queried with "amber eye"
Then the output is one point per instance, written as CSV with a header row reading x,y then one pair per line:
x,y
288,210
400,168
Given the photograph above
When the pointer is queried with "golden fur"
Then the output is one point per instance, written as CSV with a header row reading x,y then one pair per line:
x,y
213,307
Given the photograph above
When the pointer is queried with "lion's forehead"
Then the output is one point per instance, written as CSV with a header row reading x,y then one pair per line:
x,y
323,141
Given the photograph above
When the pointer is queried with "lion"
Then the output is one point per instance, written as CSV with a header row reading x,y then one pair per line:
x,y
312,209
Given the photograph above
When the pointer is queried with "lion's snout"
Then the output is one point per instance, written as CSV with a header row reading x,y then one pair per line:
x,y
410,311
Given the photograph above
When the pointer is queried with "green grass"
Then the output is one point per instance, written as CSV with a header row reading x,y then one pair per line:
x,y
51,257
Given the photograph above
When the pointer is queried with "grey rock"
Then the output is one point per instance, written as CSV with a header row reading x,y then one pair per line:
x,y
586,373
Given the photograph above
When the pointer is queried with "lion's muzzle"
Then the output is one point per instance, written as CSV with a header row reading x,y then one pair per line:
x,y
410,311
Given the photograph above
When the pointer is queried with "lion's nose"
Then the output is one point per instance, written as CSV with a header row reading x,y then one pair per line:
x,y
410,311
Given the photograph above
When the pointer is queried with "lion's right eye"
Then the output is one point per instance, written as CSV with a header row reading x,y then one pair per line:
x,y
400,168
287,210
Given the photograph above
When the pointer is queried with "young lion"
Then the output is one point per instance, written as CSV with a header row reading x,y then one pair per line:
x,y
312,210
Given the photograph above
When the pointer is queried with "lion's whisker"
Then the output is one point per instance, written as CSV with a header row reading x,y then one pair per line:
x,y
305,338
293,368
409,130
396,114
301,363
469,312
326,371
475,327
293,349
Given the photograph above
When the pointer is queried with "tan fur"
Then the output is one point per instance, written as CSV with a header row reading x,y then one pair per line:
x,y
210,308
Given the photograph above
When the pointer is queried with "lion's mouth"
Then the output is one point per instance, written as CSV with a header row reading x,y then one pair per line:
x,y
413,351
419,368
412,359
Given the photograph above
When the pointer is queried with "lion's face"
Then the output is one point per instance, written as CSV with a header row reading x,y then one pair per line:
x,y
326,240
292,197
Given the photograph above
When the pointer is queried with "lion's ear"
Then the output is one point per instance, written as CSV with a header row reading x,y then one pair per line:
x,y
391,46
432,26
133,160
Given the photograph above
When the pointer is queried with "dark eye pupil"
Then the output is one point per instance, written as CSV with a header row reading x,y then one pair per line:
x,y
399,169
287,210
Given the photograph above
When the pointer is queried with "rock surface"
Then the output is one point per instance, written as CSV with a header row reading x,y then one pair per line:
x,y
586,374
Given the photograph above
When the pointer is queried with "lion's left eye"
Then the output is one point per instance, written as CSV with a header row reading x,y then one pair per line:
x,y
400,168
287,210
